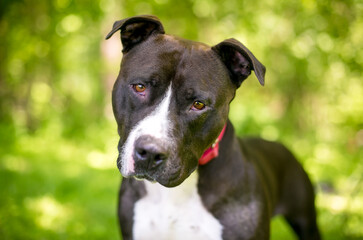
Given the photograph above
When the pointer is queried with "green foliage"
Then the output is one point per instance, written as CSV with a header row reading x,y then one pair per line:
x,y
58,138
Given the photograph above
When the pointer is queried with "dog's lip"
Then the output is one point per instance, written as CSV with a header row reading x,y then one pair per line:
x,y
144,176
173,180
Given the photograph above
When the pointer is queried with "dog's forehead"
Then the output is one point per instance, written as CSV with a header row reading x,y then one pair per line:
x,y
162,49
167,52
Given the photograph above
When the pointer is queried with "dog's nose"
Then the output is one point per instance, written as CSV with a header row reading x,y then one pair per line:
x,y
149,154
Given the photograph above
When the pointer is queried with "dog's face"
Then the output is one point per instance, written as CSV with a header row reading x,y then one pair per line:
x,y
171,99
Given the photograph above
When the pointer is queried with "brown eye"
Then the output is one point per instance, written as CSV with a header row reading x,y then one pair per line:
x,y
197,105
139,88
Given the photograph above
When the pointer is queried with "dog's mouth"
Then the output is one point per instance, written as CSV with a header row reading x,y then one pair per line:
x,y
144,177
151,159
172,179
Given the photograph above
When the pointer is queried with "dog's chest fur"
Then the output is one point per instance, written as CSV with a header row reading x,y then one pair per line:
x,y
174,213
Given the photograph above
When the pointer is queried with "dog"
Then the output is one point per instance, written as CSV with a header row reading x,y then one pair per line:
x,y
186,175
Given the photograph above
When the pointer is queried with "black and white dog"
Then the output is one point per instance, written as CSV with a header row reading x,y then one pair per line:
x,y
186,174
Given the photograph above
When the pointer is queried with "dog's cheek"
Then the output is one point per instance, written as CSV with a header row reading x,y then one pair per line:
x,y
189,155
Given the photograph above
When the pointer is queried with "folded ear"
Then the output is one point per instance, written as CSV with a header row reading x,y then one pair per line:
x,y
239,61
136,29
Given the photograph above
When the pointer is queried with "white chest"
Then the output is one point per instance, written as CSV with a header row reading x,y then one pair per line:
x,y
173,214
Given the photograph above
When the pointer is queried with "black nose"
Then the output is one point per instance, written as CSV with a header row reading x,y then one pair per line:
x,y
149,153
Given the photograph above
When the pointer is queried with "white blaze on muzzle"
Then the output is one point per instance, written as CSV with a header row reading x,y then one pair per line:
x,y
156,124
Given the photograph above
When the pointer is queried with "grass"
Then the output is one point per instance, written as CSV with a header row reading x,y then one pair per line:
x,y
54,188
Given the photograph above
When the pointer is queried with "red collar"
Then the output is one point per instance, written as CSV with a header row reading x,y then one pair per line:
x,y
213,151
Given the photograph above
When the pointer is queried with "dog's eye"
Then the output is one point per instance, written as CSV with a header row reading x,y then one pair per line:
x,y
139,88
198,105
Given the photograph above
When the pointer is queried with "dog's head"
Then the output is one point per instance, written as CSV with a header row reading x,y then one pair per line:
x,y
171,98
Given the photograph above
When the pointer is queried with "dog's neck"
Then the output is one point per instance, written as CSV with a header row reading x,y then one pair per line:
x,y
213,151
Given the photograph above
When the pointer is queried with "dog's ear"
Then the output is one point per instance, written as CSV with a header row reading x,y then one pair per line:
x,y
136,29
239,61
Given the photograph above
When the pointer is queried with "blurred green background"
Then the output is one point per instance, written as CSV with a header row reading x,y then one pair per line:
x,y
58,177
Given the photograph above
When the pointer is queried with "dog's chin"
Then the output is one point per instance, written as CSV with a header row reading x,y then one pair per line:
x,y
174,180
166,181
170,183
